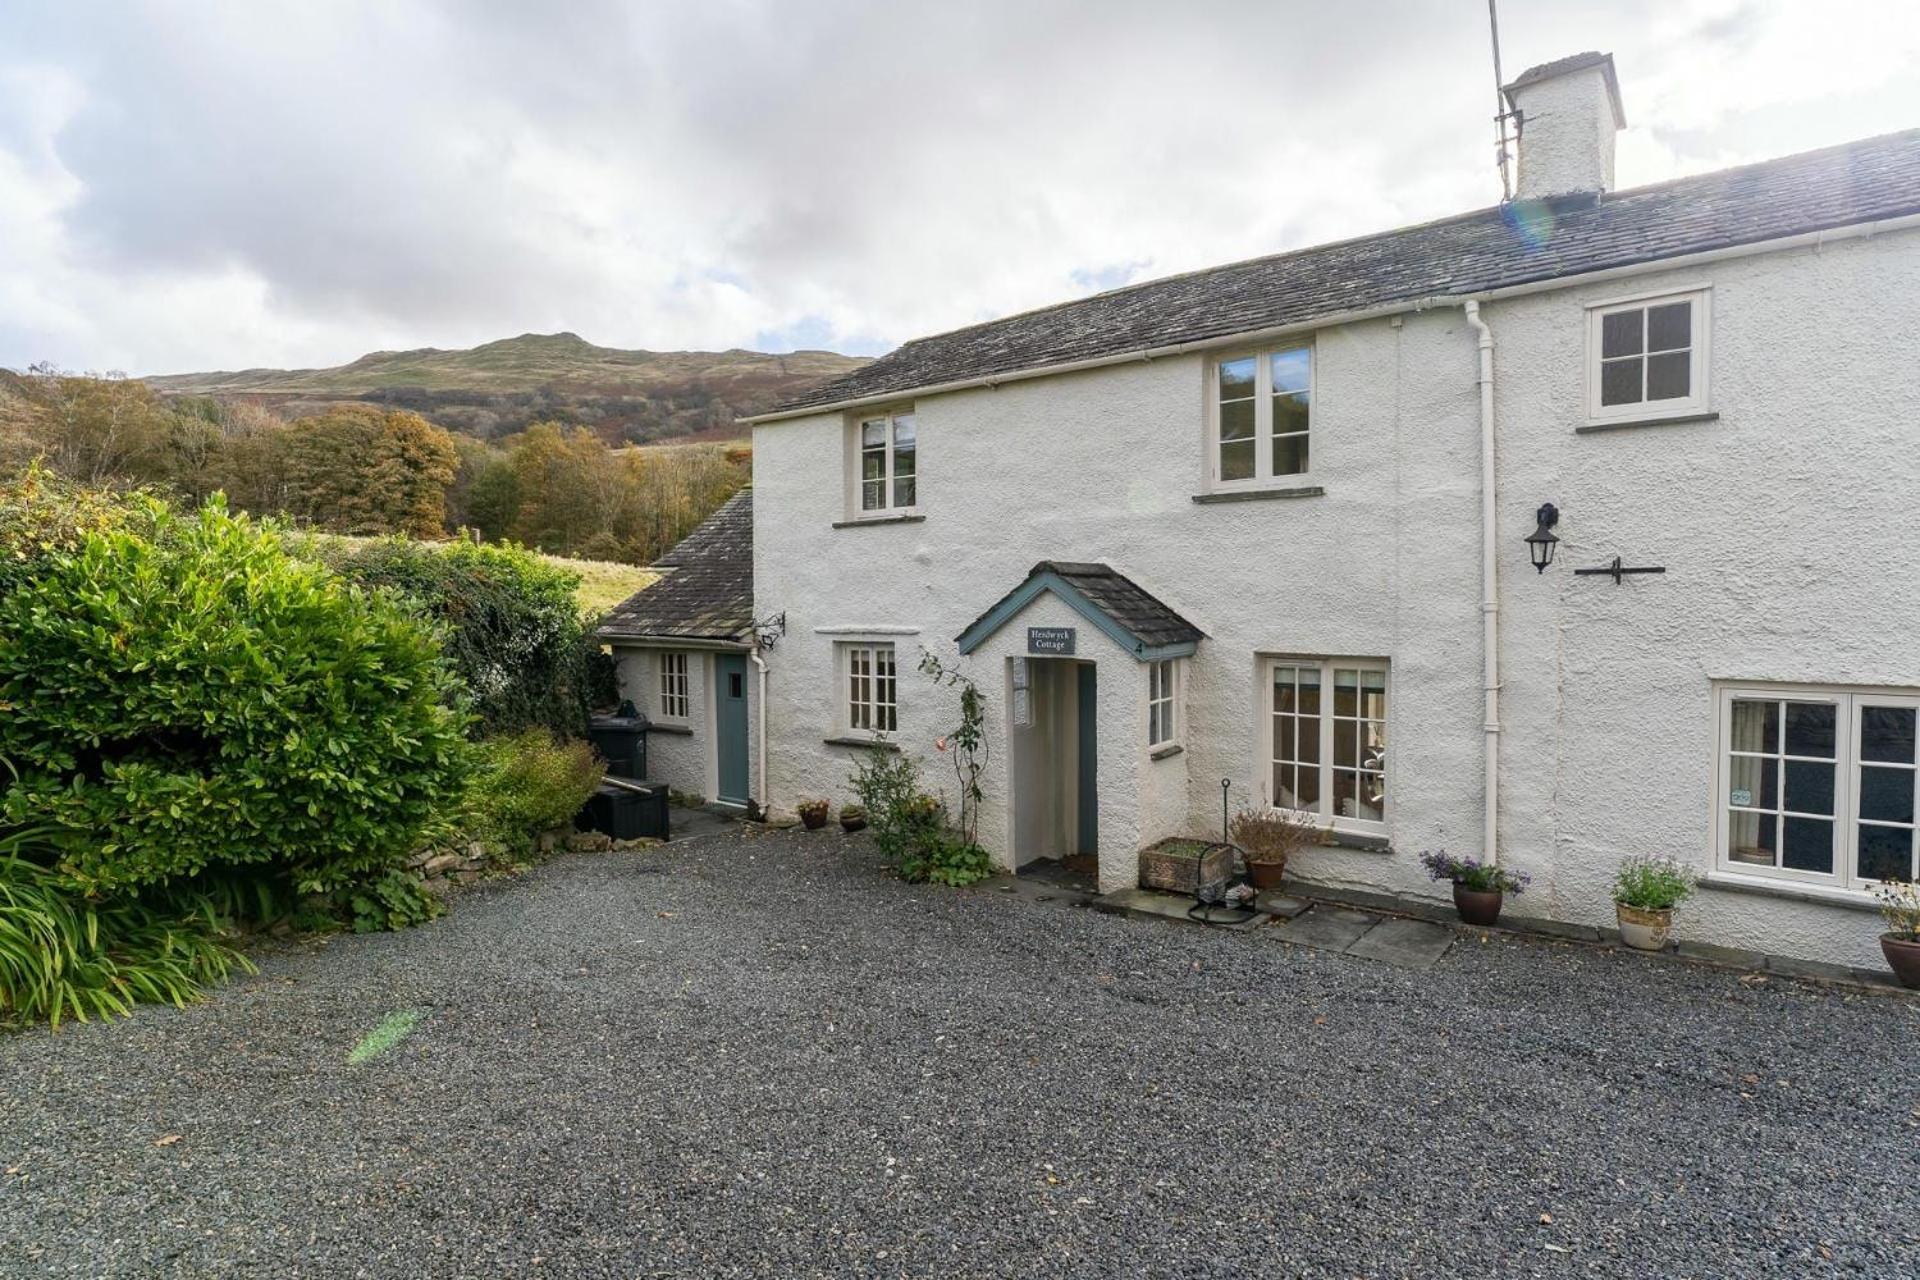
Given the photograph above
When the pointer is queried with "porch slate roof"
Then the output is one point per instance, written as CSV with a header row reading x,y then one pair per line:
x,y
1468,254
706,588
1134,618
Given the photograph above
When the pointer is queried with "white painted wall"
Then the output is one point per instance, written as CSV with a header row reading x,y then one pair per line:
x,y
1783,525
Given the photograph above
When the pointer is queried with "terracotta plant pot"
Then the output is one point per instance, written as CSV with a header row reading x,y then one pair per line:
x,y
851,825
1644,929
1476,907
1903,957
813,818
1266,875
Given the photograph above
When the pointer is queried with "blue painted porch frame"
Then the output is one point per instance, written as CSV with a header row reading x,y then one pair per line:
x,y
1025,594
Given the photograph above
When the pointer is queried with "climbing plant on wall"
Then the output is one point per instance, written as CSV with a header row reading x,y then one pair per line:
x,y
966,744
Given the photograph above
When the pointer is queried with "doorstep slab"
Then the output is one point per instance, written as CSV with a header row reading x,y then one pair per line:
x,y
1329,928
1276,903
1145,904
1411,944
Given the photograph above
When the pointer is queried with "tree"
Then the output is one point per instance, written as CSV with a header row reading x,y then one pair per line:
x,y
357,470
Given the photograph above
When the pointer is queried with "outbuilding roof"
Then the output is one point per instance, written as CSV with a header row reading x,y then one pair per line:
x,y
706,589
1136,620
1510,244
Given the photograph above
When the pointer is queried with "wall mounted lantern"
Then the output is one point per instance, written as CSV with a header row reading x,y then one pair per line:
x,y
1541,542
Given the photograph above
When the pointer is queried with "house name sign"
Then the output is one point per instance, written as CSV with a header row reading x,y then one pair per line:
x,y
1054,640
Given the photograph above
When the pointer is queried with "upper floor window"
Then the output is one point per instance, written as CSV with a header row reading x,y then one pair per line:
x,y
888,463
673,686
1817,785
1163,702
1647,358
1260,412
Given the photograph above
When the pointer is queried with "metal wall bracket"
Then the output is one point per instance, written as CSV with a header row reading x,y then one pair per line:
x,y
1617,571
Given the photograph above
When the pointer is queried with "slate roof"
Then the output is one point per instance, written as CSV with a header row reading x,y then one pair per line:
x,y
1136,611
1471,253
706,592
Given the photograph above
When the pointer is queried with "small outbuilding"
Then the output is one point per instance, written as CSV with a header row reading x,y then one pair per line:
x,y
684,649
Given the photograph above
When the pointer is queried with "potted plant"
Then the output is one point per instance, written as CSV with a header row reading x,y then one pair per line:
x,y
1900,944
1479,887
813,813
852,818
1268,840
1645,892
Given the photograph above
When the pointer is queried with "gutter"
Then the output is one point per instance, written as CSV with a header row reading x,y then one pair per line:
x,y
1489,593
1806,239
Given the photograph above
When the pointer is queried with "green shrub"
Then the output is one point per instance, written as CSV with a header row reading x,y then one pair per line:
x,y
180,696
509,623
62,955
910,827
527,783
1652,884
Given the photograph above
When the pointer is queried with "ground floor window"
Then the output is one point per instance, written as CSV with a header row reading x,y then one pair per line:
x,y
871,688
673,686
1818,784
1163,680
1327,739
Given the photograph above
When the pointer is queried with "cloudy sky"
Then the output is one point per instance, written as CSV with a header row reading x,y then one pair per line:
x,y
206,185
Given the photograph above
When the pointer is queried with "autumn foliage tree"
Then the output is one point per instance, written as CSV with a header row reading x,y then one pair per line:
x,y
357,469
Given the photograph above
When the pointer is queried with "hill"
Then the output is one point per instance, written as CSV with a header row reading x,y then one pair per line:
x,y
500,387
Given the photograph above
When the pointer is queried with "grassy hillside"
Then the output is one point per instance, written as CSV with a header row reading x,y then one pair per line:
x,y
500,387
602,584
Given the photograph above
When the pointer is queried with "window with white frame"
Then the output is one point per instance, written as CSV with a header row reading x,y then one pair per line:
x,y
1647,357
1260,409
672,686
889,463
1327,739
1163,702
871,688
1817,785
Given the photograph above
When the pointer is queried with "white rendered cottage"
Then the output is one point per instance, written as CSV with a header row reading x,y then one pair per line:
x,y
1265,524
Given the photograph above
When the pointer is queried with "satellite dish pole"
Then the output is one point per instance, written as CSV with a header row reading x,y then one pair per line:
x,y
1501,116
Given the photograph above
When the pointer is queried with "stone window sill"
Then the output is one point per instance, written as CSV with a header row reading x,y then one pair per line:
x,y
1676,420
1732,882
1261,495
1356,841
680,730
1167,752
898,519
851,740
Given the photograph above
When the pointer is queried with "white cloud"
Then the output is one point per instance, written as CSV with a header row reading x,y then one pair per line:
x,y
241,184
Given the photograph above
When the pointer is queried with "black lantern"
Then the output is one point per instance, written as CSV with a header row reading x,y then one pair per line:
x,y
1541,542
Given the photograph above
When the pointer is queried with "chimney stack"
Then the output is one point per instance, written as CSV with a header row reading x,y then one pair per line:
x,y
1568,114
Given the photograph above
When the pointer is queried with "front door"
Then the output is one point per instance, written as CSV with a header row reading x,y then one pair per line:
x,y
1089,762
730,726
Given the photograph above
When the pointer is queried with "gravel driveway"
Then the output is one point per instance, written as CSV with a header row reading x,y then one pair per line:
x,y
752,1054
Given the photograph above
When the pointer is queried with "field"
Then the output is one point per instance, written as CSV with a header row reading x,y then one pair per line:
x,y
603,584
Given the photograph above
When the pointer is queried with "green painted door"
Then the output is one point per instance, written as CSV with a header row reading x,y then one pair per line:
x,y
1089,779
730,728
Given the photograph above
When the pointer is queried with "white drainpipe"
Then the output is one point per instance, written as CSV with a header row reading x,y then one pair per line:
x,y
1489,591
760,734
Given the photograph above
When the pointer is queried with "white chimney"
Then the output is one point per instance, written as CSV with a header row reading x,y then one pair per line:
x,y
1568,113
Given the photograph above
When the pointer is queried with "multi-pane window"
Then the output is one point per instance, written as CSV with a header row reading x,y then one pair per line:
x,y
1261,411
673,686
1648,357
1162,702
888,463
1328,739
1818,785
871,688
